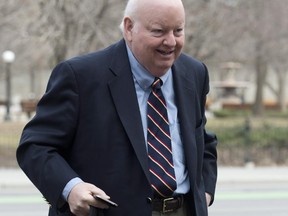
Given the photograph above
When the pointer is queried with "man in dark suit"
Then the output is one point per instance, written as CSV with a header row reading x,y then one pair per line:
x,y
89,134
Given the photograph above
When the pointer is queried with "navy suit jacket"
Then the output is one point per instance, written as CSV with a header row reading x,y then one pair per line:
x,y
88,125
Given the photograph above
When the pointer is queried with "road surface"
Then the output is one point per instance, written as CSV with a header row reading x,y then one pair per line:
x,y
240,192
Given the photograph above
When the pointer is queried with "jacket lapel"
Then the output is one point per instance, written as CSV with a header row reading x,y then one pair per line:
x,y
185,93
124,96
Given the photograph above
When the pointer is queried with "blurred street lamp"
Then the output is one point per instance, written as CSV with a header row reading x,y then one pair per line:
x,y
8,57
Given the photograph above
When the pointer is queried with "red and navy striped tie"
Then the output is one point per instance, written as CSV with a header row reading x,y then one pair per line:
x,y
161,167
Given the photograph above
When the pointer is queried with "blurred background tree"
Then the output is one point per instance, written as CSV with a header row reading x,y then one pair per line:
x,y
251,32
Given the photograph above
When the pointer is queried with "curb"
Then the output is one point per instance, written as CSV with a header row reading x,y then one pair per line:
x,y
252,174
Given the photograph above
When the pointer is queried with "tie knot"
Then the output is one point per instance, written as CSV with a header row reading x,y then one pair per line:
x,y
157,83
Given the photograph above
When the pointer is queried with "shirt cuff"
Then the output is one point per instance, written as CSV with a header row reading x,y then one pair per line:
x,y
67,189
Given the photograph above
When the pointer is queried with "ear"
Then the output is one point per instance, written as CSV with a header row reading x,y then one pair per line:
x,y
128,28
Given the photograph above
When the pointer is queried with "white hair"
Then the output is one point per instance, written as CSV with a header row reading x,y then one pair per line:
x,y
130,11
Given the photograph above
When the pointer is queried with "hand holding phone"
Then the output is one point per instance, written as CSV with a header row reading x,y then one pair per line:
x,y
107,201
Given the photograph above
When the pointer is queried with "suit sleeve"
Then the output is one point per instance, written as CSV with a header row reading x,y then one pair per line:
x,y
209,171
210,164
45,139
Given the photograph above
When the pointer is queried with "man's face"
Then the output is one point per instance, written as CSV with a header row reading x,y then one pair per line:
x,y
157,36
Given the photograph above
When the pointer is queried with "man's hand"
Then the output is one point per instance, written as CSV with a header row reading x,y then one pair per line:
x,y
208,199
81,198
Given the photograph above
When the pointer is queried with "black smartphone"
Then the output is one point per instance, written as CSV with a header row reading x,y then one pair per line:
x,y
107,201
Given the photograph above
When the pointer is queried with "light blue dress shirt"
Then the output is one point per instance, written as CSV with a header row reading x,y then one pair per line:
x,y
143,80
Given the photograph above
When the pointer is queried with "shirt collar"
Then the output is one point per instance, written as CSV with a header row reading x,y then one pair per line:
x,y
141,75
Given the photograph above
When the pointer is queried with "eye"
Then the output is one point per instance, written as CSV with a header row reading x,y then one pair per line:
x,y
157,32
179,31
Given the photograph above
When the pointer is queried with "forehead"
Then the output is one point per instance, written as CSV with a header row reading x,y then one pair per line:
x,y
167,14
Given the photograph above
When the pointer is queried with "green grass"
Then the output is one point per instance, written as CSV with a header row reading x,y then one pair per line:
x,y
259,132
266,139
10,133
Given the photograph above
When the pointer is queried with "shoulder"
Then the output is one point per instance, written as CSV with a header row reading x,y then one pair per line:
x,y
188,61
193,70
191,67
97,59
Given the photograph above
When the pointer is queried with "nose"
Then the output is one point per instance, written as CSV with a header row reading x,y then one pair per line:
x,y
169,39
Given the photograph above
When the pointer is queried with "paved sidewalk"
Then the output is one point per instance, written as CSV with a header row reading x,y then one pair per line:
x,y
13,177
252,174
16,178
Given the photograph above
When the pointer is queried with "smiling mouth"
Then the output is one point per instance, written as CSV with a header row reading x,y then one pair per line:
x,y
166,53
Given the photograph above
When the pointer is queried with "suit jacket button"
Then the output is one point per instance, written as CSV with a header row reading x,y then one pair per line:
x,y
149,199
